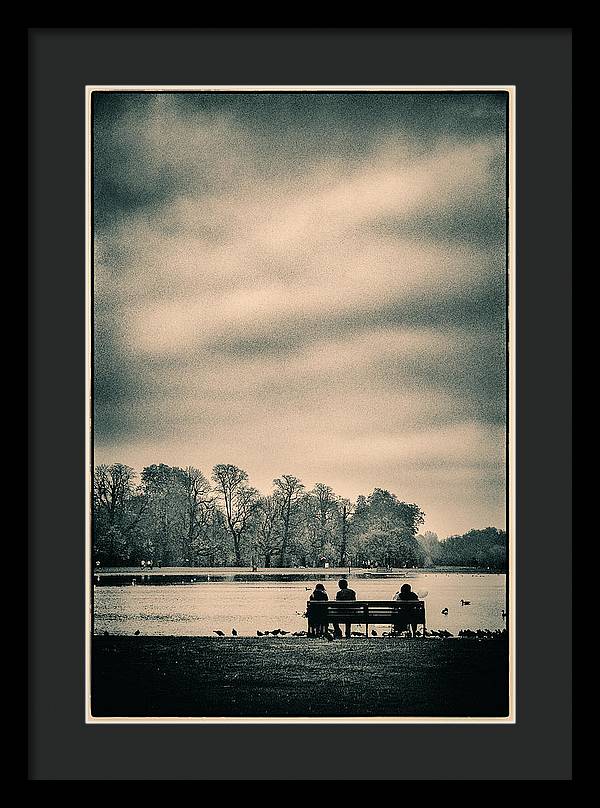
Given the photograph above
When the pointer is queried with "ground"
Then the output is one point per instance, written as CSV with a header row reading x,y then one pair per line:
x,y
269,677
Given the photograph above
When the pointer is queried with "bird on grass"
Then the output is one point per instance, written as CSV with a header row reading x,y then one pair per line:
x,y
233,632
445,611
137,633
465,602
219,633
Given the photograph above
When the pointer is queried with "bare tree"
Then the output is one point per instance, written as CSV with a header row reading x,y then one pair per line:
x,y
268,538
289,492
113,486
344,508
239,500
117,503
198,503
325,500
164,488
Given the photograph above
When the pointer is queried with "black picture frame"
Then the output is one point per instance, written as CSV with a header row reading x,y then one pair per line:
x,y
62,62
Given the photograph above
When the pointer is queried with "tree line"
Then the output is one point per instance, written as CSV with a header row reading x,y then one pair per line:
x,y
176,517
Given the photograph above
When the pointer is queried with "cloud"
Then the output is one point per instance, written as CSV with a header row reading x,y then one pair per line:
x,y
311,285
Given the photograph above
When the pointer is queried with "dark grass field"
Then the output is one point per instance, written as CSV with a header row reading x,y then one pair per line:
x,y
291,677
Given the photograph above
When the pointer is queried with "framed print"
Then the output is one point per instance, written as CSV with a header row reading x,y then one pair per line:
x,y
300,370
315,286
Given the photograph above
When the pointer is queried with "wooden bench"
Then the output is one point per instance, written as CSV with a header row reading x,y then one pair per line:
x,y
367,612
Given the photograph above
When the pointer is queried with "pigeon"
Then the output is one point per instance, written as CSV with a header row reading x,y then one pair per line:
x,y
233,632
445,611
219,633
137,633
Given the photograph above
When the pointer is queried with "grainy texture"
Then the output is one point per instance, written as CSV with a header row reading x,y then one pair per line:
x,y
268,677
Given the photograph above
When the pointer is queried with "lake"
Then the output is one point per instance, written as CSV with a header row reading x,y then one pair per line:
x,y
197,609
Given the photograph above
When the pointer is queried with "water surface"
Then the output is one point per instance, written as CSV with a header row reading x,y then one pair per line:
x,y
200,608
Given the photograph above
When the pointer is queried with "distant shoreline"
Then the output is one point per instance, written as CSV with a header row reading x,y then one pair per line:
x,y
168,575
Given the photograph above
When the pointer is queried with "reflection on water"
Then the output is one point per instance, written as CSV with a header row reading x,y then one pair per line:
x,y
199,609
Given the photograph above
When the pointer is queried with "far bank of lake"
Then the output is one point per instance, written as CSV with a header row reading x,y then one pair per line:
x,y
115,576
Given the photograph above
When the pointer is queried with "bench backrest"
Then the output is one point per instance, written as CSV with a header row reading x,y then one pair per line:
x,y
373,612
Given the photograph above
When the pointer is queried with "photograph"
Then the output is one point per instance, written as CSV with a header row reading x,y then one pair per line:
x,y
300,404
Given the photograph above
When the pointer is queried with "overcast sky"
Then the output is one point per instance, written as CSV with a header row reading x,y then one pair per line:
x,y
307,284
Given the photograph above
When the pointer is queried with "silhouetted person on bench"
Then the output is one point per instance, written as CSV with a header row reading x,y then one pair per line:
x,y
344,593
318,626
406,593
